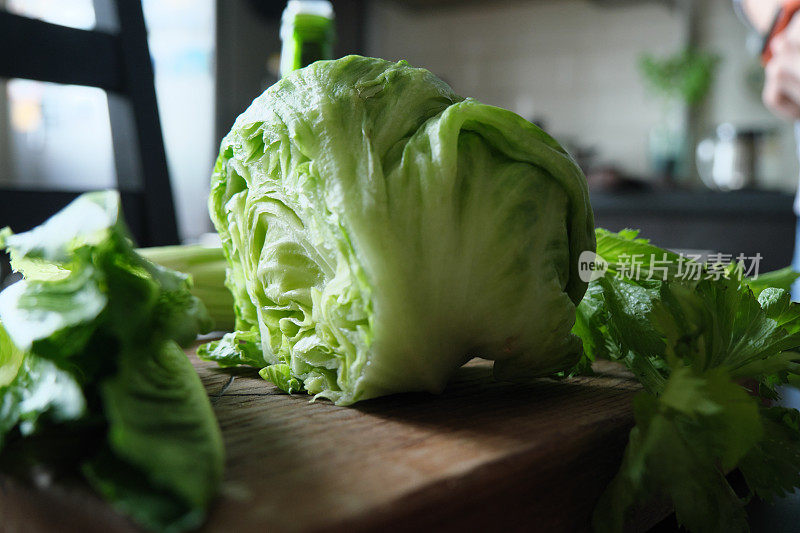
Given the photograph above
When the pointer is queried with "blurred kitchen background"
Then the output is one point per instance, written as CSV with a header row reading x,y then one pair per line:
x,y
658,100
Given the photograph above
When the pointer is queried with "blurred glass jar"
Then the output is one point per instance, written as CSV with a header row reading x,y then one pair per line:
x,y
732,159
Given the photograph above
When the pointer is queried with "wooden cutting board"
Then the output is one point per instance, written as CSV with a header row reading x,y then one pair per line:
x,y
483,455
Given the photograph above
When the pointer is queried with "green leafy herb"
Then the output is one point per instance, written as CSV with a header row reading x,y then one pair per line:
x,y
694,335
779,279
772,467
686,75
683,443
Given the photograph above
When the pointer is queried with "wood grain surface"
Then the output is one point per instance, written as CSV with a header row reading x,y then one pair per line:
x,y
482,455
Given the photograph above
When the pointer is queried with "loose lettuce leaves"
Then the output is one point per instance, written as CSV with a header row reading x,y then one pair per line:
x,y
161,422
93,331
233,349
11,359
709,353
34,389
381,231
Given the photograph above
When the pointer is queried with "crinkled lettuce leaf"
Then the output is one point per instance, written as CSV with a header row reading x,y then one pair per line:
x,y
233,349
161,424
91,343
11,358
381,231
34,389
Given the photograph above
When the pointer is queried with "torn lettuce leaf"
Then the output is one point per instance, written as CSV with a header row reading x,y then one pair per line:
x,y
281,376
694,336
244,348
93,331
233,349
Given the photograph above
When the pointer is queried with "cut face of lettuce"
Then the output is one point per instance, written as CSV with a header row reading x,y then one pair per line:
x,y
382,230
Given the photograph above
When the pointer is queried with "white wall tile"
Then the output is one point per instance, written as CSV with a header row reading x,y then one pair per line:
x,y
572,63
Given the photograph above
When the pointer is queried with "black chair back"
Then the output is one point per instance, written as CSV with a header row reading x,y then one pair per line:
x,y
114,57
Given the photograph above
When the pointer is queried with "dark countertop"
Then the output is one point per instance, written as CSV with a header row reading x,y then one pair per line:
x,y
695,202
746,222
